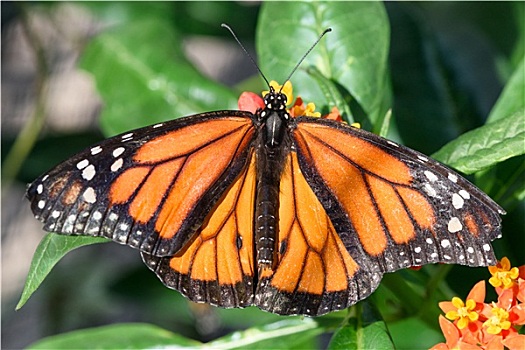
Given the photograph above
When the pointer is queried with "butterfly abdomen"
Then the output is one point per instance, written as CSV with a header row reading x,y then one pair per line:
x,y
272,148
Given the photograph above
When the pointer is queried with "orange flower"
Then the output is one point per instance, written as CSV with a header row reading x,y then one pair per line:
x,y
503,275
487,325
336,115
453,337
249,101
514,342
498,321
299,109
464,312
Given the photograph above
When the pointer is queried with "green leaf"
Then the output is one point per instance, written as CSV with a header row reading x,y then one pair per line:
x,y
332,94
144,78
51,249
354,54
120,336
290,333
443,72
365,331
512,99
413,333
486,146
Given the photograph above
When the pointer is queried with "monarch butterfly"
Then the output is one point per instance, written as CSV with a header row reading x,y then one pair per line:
x,y
296,215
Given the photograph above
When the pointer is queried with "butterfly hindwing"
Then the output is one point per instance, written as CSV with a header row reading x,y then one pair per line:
x,y
314,273
217,266
394,207
150,188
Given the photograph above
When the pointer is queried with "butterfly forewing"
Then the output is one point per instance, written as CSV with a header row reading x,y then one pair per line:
x,y
400,208
150,188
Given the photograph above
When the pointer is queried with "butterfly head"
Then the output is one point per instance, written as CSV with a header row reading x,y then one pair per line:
x,y
275,100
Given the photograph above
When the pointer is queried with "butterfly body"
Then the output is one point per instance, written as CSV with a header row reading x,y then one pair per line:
x,y
293,215
272,147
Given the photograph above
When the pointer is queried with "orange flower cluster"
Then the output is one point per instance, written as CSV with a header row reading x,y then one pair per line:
x,y
480,325
248,101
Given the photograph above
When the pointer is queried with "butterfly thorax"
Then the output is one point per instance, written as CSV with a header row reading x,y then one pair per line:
x,y
272,147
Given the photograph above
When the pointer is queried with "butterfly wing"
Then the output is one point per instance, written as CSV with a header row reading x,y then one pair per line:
x,y
314,273
391,206
150,188
217,267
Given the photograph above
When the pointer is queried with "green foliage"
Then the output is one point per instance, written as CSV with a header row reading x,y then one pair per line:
x,y
354,56
120,336
486,146
148,83
364,331
49,252
431,82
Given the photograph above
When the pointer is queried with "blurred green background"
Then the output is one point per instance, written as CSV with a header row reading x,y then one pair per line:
x,y
447,65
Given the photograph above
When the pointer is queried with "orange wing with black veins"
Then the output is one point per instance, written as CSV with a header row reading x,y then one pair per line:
x,y
391,206
217,266
314,273
150,188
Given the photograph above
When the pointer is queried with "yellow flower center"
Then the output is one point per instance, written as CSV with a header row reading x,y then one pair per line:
x,y
503,275
498,321
310,111
464,313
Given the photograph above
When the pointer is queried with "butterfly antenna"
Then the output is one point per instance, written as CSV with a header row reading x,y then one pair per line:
x,y
224,25
327,30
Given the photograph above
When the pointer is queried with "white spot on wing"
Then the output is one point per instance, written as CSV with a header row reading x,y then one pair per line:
x,y
40,189
430,190
486,247
96,150
127,137
82,164
457,201
55,214
41,204
445,243
424,159
392,143
118,151
89,172
454,225
117,164
417,250
431,176
89,195
464,194
97,215
157,125
452,177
